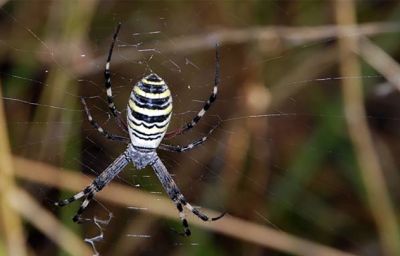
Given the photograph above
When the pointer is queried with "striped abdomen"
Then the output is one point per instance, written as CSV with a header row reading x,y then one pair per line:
x,y
149,112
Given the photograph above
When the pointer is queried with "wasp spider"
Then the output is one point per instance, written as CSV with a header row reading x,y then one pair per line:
x,y
148,116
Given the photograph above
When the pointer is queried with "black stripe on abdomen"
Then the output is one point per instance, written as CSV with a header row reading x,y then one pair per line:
x,y
150,119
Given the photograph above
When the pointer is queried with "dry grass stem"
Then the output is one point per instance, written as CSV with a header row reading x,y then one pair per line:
x,y
311,68
47,223
290,35
371,172
16,202
11,224
380,60
61,78
3,2
244,230
142,224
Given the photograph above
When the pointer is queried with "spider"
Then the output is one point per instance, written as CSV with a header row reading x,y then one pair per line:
x,y
148,115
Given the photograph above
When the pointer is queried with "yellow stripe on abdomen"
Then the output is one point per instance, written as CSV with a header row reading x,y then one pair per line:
x,y
150,95
150,112
145,81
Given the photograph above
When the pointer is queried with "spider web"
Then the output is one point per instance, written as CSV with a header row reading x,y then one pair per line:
x,y
278,106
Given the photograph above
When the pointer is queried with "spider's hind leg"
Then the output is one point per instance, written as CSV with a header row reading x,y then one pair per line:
x,y
98,183
198,213
73,198
87,193
177,197
77,217
182,216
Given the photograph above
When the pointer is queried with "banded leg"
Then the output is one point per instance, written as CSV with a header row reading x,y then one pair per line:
x,y
207,104
99,128
179,149
176,196
107,76
98,184
88,193
182,216
198,213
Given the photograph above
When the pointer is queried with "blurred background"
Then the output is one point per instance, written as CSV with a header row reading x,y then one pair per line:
x,y
304,161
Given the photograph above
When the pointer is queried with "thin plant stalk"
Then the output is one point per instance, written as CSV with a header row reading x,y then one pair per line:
x,y
377,195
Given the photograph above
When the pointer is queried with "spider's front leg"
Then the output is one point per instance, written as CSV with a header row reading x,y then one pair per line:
x,y
176,196
107,77
180,149
207,104
98,184
99,128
